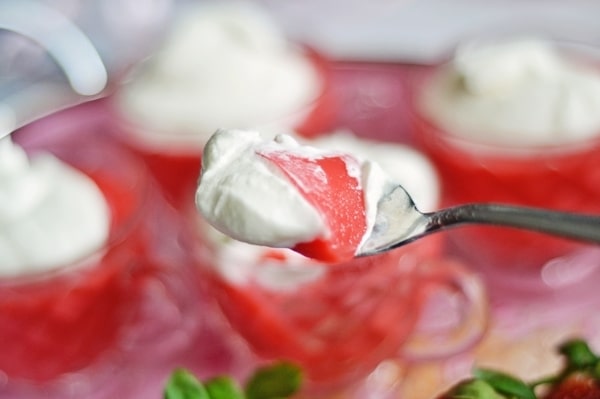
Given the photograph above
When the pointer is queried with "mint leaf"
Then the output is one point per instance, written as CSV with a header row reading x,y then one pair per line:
x,y
223,388
474,389
578,353
280,380
506,384
184,385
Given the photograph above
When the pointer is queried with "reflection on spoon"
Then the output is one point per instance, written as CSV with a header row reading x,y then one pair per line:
x,y
399,222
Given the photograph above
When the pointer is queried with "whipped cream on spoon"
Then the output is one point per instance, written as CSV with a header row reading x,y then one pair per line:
x,y
398,221
332,206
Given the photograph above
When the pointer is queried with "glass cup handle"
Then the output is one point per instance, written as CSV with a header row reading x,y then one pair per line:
x,y
454,314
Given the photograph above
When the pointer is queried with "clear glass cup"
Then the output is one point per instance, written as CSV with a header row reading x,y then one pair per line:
x,y
561,177
340,321
64,323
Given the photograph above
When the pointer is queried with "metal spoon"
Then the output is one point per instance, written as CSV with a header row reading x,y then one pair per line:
x,y
398,221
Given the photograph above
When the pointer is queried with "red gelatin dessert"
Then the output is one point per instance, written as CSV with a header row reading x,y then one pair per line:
x,y
73,250
513,121
221,66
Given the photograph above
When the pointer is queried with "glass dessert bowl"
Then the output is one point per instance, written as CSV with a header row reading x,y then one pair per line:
x,y
67,303
512,121
339,320
221,66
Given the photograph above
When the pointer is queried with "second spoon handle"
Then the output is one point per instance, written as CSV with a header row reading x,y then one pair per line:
x,y
563,224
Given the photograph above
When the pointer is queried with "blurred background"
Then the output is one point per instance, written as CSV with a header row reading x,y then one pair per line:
x,y
57,53
394,30
126,31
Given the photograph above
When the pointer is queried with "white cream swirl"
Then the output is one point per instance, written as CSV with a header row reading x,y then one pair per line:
x,y
51,214
223,66
248,198
516,92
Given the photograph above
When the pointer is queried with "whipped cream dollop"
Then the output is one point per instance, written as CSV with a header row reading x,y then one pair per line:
x,y
248,198
224,65
515,92
245,196
274,269
280,269
51,214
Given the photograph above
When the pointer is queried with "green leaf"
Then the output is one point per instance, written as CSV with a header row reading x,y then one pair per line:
x,y
184,385
506,384
223,387
473,389
578,353
280,380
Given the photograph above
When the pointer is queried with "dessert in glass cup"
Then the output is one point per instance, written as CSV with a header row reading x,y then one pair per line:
x,y
515,120
221,65
73,244
335,315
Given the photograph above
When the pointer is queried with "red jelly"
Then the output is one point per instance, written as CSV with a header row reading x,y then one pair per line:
x,y
343,319
562,177
339,198
62,321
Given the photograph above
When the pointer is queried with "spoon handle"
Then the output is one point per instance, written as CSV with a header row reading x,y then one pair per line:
x,y
564,224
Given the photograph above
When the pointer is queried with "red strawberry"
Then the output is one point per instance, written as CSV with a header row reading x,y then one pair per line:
x,y
579,379
579,385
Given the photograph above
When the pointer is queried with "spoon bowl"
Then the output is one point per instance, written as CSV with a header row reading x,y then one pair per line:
x,y
398,221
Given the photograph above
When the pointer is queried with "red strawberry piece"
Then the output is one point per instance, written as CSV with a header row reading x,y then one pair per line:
x,y
578,385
